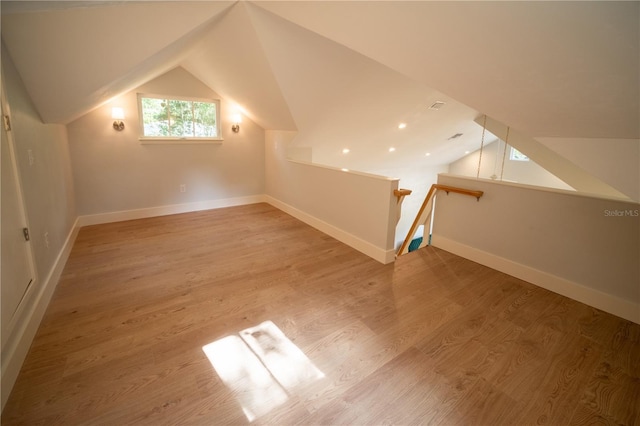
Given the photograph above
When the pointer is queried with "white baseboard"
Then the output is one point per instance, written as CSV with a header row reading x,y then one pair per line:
x,y
119,216
21,337
377,253
357,243
589,296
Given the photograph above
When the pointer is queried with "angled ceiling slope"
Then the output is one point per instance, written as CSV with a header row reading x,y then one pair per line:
x,y
74,59
549,69
564,70
341,100
230,59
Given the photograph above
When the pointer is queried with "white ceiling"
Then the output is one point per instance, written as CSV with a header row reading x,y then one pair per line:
x,y
553,69
344,74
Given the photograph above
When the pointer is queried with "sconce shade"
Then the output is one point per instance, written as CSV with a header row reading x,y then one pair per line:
x,y
117,114
237,119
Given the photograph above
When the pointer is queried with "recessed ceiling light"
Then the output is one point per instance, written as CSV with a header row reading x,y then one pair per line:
x,y
345,170
466,152
427,154
346,151
402,125
437,105
392,149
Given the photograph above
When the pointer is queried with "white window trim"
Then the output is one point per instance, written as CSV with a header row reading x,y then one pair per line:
x,y
159,140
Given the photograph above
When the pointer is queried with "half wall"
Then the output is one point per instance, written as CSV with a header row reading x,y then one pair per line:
x,y
583,247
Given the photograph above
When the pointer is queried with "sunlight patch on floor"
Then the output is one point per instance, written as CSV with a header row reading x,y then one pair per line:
x,y
260,367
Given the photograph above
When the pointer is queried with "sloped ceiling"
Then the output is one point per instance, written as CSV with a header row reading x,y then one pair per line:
x,y
345,74
341,99
229,58
72,59
549,69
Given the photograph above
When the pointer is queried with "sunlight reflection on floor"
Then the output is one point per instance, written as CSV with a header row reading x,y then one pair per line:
x,y
260,367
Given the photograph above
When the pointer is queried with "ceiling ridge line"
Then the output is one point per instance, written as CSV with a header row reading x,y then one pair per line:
x,y
160,62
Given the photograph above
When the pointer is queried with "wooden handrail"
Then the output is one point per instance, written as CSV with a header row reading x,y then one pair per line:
x,y
401,192
463,191
435,187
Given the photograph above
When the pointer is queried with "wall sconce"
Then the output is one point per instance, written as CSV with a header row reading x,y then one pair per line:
x,y
237,119
117,114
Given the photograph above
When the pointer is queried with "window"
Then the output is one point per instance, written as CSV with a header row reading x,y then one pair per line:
x,y
517,155
165,118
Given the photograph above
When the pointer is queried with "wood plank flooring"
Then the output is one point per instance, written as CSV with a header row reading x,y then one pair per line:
x,y
431,339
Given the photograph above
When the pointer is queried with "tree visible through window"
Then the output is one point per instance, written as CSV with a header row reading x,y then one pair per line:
x,y
178,118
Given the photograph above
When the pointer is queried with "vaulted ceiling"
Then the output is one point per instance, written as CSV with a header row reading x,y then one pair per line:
x,y
345,74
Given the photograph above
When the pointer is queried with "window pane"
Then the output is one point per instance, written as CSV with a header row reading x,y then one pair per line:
x,y
517,155
205,119
181,122
154,117
179,118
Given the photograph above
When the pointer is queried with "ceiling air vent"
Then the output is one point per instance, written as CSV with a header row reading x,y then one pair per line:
x,y
437,105
456,136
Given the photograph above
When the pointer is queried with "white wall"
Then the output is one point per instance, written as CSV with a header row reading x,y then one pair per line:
x,y
418,180
527,172
114,172
614,161
50,207
565,168
583,247
355,208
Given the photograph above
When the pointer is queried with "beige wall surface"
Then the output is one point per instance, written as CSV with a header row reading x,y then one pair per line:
x,y
47,183
527,172
589,241
614,161
358,206
582,172
44,169
114,171
418,180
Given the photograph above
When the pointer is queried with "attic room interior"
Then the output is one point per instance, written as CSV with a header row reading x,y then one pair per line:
x,y
256,274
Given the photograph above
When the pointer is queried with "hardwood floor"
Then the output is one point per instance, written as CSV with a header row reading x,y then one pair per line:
x,y
431,339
